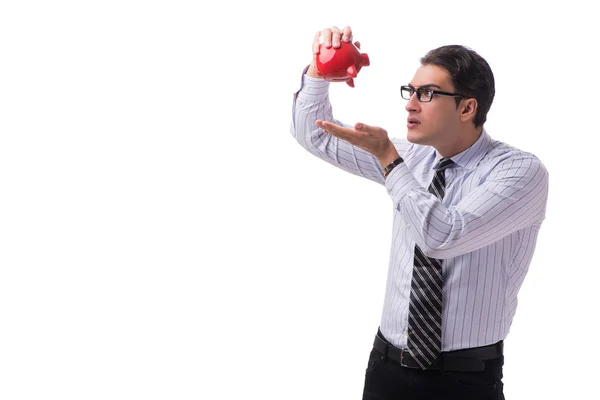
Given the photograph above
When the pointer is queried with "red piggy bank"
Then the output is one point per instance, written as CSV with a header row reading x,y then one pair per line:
x,y
341,64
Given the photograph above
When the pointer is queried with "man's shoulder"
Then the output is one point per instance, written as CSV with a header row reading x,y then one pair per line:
x,y
503,158
503,152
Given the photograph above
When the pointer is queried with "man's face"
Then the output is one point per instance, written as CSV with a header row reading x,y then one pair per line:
x,y
435,123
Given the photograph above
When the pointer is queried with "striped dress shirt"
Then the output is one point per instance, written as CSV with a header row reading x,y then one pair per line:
x,y
484,230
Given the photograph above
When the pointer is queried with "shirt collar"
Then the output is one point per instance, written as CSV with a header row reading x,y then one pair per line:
x,y
470,157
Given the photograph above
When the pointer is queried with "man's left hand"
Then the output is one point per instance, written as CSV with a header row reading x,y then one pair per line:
x,y
373,139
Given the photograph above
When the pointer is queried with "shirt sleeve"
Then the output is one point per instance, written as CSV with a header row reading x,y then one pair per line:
x,y
311,103
512,197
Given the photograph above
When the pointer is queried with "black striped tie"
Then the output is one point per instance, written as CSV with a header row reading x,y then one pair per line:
x,y
425,309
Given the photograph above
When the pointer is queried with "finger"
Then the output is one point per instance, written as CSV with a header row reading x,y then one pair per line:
x,y
347,134
370,130
326,35
316,43
335,36
347,34
328,127
357,44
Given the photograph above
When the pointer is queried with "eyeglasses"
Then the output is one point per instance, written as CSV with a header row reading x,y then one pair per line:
x,y
424,95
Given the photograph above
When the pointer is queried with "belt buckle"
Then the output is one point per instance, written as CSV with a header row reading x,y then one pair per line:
x,y
402,362
407,360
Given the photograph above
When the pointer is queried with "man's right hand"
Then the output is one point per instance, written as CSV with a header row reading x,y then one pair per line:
x,y
330,37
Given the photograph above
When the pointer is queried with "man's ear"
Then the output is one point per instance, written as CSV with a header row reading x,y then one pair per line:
x,y
468,109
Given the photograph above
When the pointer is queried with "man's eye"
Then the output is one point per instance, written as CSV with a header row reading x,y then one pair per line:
x,y
426,93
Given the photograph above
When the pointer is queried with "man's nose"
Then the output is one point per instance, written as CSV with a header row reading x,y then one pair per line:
x,y
413,104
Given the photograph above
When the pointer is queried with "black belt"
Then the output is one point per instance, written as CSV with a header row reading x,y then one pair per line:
x,y
472,359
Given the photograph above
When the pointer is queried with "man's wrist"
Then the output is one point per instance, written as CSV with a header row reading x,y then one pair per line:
x,y
312,71
389,155
388,168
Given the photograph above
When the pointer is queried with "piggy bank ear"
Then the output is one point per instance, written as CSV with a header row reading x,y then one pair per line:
x,y
351,71
357,44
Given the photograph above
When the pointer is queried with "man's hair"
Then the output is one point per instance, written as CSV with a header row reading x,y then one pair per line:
x,y
470,73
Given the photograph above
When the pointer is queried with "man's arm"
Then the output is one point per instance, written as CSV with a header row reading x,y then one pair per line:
x,y
311,109
513,197
312,105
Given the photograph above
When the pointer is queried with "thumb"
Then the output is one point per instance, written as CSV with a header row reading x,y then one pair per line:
x,y
359,126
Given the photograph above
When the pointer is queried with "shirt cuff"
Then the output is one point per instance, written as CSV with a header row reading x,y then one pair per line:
x,y
312,89
400,182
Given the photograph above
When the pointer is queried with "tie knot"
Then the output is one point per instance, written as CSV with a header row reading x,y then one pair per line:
x,y
443,164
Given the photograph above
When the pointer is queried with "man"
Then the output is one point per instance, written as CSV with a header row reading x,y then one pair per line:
x,y
467,211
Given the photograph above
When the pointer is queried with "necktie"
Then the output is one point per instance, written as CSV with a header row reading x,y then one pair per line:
x,y
425,308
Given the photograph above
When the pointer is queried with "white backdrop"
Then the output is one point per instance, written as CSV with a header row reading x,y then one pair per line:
x,y
162,235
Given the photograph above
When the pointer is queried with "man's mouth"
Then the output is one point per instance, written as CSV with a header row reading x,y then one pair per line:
x,y
412,123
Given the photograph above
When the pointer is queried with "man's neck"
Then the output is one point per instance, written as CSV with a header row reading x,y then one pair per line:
x,y
468,139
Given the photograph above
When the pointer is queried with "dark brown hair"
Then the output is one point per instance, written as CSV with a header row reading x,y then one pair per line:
x,y
470,73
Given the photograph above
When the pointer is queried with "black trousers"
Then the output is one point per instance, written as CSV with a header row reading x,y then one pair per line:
x,y
386,379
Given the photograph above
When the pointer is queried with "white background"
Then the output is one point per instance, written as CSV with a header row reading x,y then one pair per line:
x,y
162,235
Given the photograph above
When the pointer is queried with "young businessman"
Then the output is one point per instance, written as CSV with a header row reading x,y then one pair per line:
x,y
467,211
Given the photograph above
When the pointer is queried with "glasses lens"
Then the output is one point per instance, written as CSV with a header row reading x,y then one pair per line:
x,y
406,92
425,95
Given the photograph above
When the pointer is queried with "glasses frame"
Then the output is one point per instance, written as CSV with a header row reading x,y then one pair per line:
x,y
433,92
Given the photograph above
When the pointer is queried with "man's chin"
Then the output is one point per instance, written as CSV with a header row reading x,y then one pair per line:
x,y
415,137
